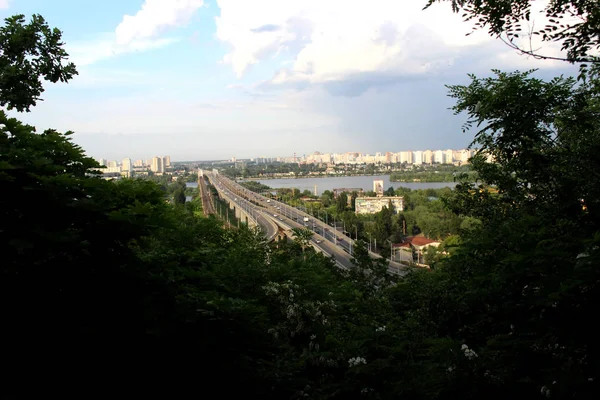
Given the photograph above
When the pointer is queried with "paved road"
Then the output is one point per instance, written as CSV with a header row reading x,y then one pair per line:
x,y
282,210
261,217
342,244
342,258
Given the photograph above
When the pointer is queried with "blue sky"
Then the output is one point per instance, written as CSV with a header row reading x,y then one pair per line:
x,y
220,78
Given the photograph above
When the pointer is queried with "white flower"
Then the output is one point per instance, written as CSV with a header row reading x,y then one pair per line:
x,y
545,391
380,329
354,361
313,337
470,354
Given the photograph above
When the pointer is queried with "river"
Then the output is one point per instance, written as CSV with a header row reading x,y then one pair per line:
x,y
350,182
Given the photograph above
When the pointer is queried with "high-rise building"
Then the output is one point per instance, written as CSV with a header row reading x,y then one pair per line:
x,y
102,161
167,161
157,165
449,156
417,157
439,157
126,165
138,163
406,157
428,157
112,164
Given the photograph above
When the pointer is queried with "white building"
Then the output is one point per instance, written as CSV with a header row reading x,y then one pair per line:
x,y
126,165
157,165
372,205
428,157
417,157
449,156
406,157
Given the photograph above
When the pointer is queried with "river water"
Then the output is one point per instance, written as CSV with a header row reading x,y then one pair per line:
x,y
350,182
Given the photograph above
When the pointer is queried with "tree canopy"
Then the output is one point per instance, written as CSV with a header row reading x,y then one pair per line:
x,y
30,52
572,23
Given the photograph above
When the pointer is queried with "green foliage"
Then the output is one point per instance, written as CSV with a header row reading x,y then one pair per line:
x,y
255,186
435,173
572,23
302,237
505,312
30,52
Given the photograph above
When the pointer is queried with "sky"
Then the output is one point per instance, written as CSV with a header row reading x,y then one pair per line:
x,y
215,79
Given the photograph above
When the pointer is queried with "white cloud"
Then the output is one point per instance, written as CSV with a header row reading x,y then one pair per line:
x,y
105,46
140,32
4,4
334,39
155,17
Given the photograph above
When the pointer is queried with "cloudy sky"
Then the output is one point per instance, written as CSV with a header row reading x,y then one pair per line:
x,y
214,79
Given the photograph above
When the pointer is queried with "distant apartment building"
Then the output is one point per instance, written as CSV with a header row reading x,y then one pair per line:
x,y
157,165
372,205
449,156
428,157
378,187
112,164
167,161
126,167
439,157
417,157
102,161
138,163
465,155
406,157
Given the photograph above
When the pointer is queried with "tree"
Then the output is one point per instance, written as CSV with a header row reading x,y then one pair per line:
x,y
572,23
302,237
526,267
341,202
179,196
30,52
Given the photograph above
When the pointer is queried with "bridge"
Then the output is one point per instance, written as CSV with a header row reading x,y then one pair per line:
x,y
245,211
326,239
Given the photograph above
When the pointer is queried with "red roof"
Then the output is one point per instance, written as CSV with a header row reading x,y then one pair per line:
x,y
415,241
419,240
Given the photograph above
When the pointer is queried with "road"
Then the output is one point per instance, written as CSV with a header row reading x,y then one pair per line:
x,y
333,241
261,217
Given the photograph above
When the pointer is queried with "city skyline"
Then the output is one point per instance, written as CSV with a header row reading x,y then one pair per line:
x,y
408,156
208,79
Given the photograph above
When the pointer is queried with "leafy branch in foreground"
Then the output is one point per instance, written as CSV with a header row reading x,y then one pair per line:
x,y
29,53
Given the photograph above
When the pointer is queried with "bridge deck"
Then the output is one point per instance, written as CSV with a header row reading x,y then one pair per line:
x,y
207,205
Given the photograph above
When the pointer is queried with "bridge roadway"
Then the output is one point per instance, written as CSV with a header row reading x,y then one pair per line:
x,y
262,218
325,238
207,205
